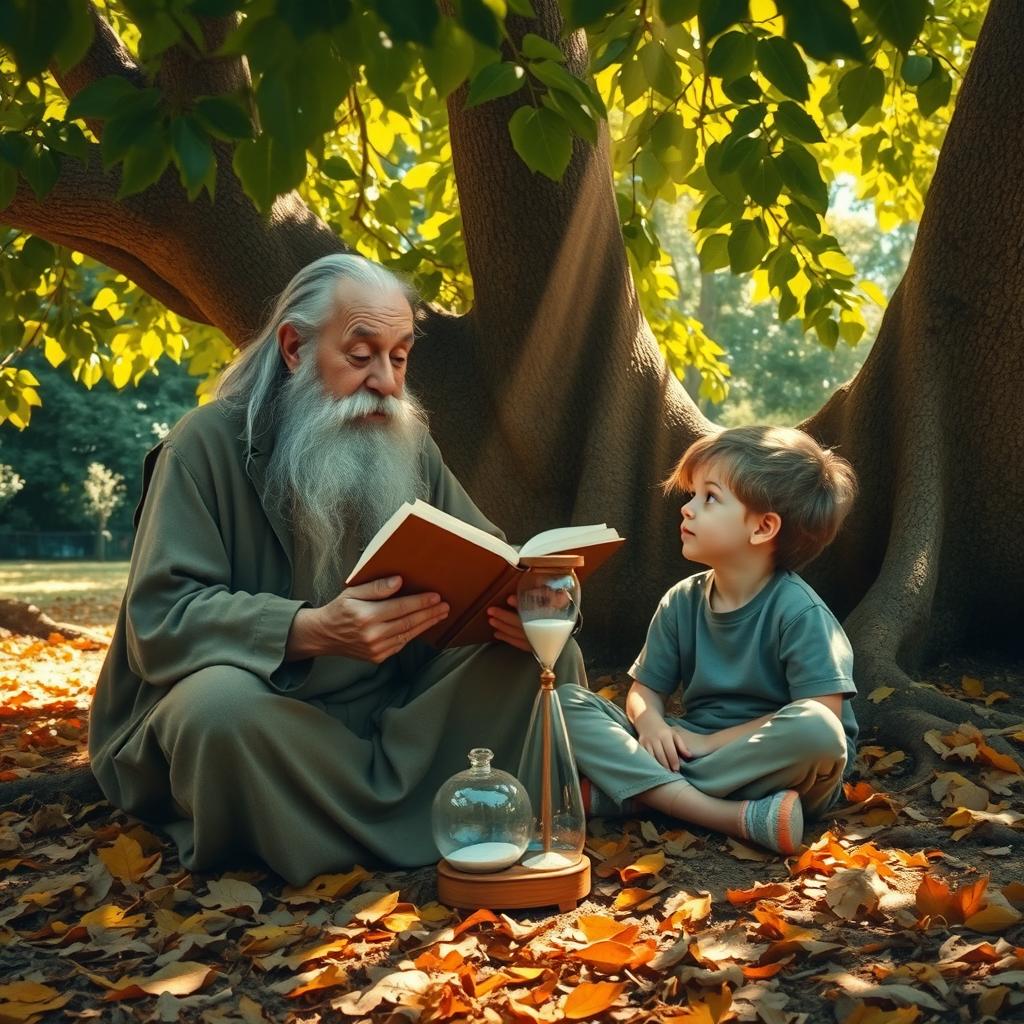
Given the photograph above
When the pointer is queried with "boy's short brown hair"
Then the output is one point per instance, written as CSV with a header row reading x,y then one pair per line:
x,y
781,470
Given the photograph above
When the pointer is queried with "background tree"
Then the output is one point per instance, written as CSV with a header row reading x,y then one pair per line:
x,y
102,491
74,427
549,283
10,483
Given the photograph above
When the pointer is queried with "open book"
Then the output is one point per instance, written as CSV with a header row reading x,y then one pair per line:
x,y
435,552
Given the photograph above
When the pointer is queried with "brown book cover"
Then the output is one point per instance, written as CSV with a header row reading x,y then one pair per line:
x,y
435,552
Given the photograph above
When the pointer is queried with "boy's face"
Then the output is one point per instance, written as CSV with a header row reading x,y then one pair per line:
x,y
717,529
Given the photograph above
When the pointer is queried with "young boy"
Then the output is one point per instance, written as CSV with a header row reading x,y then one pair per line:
x,y
766,668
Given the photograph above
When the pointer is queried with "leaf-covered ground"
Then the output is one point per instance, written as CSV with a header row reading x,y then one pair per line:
x,y
903,907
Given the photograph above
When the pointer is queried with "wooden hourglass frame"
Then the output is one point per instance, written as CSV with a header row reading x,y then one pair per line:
x,y
568,880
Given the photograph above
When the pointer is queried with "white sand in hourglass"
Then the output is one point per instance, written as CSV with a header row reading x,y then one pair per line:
x,y
547,638
484,856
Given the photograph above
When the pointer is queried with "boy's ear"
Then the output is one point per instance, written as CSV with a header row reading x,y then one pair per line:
x,y
766,527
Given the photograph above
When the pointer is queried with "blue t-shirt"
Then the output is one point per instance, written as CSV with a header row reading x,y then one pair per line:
x,y
782,645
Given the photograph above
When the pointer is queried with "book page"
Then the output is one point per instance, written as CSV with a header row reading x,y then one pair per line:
x,y
567,538
427,512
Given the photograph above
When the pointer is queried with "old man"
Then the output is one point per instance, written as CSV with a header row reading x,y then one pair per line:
x,y
250,703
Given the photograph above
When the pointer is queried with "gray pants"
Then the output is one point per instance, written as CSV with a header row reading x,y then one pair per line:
x,y
802,747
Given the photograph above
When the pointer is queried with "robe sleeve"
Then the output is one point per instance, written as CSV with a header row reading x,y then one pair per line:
x,y
182,614
447,494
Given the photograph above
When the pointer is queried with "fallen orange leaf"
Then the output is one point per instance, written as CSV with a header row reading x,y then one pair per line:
x,y
591,998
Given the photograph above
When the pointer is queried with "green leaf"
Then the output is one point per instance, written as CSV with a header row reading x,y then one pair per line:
x,y
493,81
716,16
747,245
916,68
780,62
799,171
804,216
450,59
105,97
660,70
555,76
742,90
537,48
38,254
480,21
32,30
716,212
223,118
795,123
782,267
728,183
40,168
934,92
749,118
824,28
732,55
542,139
580,120
75,40
409,22
859,90
524,8
900,21
193,155
266,167
762,181
579,13
714,253
672,12
338,168
126,130
739,152
142,166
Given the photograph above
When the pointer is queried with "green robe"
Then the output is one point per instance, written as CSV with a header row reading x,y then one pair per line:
x,y
200,725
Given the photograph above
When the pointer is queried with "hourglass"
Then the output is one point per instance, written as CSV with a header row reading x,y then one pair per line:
x,y
553,869
548,601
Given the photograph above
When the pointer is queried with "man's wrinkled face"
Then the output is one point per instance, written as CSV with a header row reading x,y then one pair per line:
x,y
366,344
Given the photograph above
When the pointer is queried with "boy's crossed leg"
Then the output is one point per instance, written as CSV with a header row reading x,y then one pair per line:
x,y
755,788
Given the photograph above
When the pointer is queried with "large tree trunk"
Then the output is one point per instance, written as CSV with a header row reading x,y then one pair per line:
x,y
553,405
932,560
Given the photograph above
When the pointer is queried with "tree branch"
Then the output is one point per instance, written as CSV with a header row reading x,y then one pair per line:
x,y
185,74
82,213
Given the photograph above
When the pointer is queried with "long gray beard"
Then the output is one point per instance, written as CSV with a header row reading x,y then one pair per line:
x,y
337,477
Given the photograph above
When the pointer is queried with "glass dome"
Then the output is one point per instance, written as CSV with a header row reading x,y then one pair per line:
x,y
481,817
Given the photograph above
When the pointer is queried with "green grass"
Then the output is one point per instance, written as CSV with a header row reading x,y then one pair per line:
x,y
86,593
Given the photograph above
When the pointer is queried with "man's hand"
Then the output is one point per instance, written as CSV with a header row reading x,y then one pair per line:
x,y
508,627
365,622
660,739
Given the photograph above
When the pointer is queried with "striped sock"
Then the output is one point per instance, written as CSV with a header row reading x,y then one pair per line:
x,y
775,822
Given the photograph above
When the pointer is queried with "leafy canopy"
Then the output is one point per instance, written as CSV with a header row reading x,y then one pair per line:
x,y
748,110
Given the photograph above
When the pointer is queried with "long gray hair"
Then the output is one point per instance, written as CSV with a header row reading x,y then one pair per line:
x,y
306,303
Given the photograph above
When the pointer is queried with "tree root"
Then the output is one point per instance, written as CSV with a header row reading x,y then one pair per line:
x,y
76,783
29,620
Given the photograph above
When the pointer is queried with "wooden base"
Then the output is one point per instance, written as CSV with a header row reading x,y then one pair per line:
x,y
515,888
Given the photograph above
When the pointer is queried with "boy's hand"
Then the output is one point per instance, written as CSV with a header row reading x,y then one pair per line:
x,y
691,744
659,739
